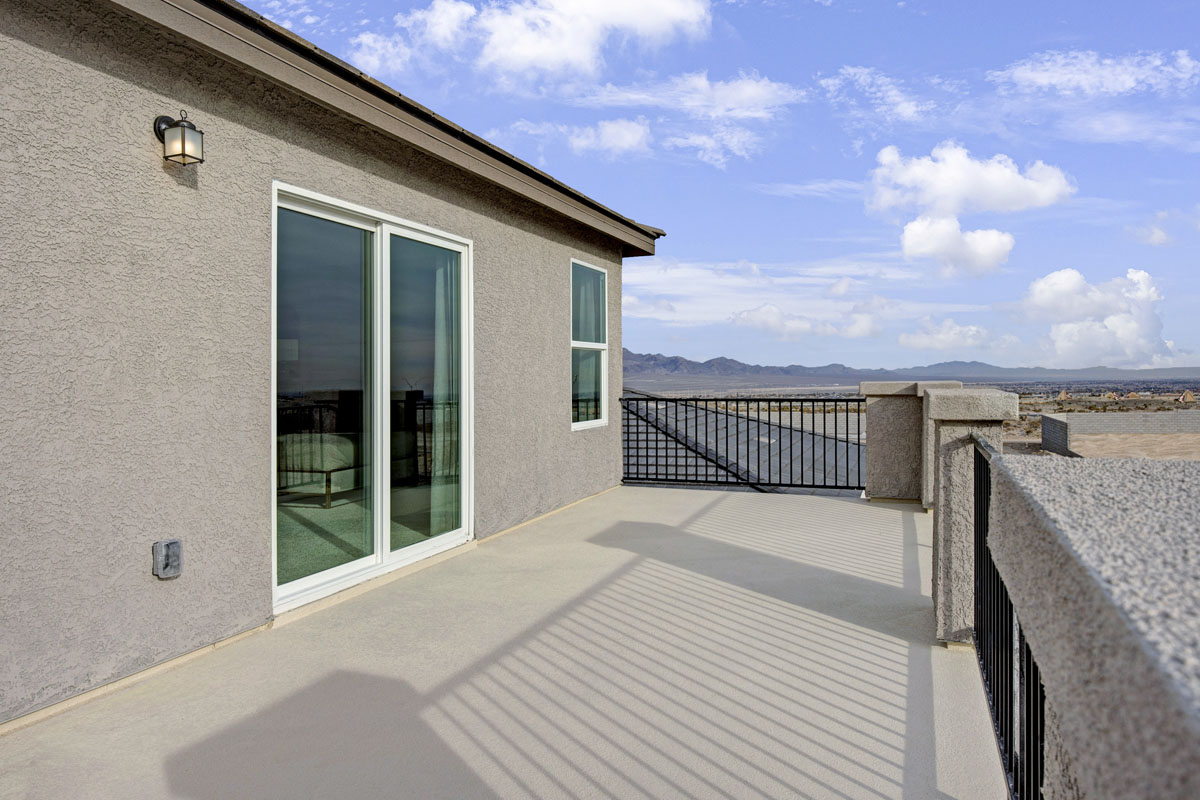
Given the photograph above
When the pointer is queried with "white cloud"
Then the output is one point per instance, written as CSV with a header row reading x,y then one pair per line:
x,y
708,293
832,188
718,145
941,238
949,181
632,137
1153,233
886,97
1066,295
378,54
949,335
748,96
555,48
858,320
841,287
290,13
537,128
1114,323
613,136
632,306
1085,72
723,108
569,35
443,24
770,318
787,301
556,38
1172,127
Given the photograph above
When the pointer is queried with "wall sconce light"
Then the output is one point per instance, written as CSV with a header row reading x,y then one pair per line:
x,y
182,141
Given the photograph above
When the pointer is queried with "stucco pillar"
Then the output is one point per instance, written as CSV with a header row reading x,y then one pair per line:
x,y
896,452
955,414
1058,781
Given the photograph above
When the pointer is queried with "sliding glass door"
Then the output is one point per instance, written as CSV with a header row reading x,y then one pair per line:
x,y
370,377
324,511
425,376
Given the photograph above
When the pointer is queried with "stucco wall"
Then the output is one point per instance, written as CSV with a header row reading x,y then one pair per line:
x,y
955,415
1098,557
894,459
135,334
900,439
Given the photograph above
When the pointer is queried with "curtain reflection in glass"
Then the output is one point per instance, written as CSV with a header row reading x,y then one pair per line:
x,y
587,305
425,391
323,481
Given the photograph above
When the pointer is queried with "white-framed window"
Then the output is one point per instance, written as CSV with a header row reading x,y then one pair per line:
x,y
372,393
589,346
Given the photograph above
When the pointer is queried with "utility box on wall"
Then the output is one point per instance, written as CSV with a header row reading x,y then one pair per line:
x,y
168,559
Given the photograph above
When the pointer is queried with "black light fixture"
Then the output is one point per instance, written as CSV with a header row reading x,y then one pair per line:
x,y
182,141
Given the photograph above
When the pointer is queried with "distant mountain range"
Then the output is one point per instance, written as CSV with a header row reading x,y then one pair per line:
x,y
639,364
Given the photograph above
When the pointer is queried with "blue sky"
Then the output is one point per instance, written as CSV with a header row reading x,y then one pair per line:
x,y
877,184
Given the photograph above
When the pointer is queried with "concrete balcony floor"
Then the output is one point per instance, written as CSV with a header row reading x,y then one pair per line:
x,y
645,643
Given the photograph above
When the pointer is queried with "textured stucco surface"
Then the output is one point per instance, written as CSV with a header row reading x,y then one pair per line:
x,y
1100,558
135,333
959,404
928,463
964,405
1058,776
954,525
896,449
955,415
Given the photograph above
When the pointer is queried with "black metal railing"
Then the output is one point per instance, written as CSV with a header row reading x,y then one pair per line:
x,y
424,441
1010,674
585,409
805,442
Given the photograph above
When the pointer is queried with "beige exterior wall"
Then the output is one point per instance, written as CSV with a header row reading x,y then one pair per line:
x,y
135,336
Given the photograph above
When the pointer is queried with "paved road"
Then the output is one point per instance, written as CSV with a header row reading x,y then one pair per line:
x,y
702,442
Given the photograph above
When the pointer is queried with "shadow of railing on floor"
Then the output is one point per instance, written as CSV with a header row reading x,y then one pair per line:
x,y
702,668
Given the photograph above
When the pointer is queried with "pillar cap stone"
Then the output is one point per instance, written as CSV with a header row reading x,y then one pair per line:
x,y
913,388
972,405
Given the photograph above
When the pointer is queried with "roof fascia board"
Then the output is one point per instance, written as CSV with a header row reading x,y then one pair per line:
x,y
231,41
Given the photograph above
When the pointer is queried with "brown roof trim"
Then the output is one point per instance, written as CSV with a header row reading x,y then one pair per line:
x,y
245,37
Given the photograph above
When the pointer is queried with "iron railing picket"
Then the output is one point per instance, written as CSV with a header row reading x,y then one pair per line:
x,y
791,442
1011,679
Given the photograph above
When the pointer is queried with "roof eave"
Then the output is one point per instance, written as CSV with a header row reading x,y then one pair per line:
x,y
244,37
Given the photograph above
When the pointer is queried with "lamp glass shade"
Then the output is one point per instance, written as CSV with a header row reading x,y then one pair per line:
x,y
183,144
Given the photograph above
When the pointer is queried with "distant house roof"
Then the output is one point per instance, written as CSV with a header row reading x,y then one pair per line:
x,y
247,38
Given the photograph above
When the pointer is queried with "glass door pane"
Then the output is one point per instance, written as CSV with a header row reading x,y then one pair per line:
x,y
323,481
426,467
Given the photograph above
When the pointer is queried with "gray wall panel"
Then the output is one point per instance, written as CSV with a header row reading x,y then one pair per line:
x,y
135,333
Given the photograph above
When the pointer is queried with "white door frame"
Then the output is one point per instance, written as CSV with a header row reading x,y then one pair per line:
x,y
383,559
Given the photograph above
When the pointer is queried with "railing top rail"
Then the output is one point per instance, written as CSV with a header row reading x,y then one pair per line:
x,y
984,446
